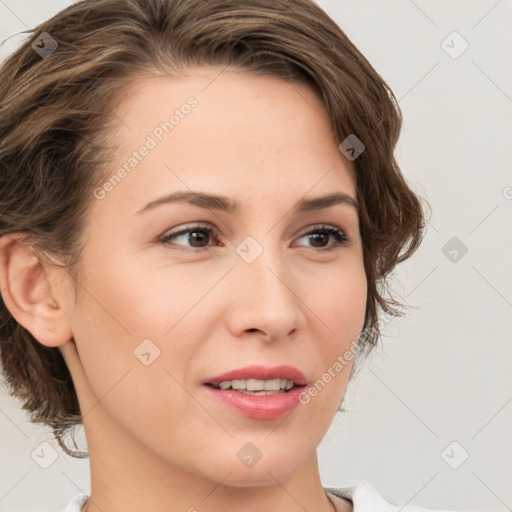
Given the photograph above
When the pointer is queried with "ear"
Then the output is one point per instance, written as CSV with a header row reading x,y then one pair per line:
x,y
27,291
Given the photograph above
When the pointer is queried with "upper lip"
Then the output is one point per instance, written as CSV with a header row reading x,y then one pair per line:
x,y
261,373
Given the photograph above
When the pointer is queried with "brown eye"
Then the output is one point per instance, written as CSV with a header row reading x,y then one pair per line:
x,y
194,237
319,238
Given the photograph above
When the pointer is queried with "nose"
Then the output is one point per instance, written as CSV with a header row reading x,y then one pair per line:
x,y
264,302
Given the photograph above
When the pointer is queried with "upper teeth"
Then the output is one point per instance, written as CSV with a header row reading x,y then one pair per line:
x,y
257,385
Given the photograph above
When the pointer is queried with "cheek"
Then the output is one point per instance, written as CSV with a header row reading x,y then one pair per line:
x,y
340,304
132,371
143,300
337,311
134,333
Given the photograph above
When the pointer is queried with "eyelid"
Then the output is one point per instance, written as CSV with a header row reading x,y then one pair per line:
x,y
341,237
185,229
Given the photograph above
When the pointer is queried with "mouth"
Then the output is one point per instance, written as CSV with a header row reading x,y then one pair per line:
x,y
258,392
256,386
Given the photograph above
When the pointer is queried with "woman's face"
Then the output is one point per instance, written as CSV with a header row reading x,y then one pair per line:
x,y
180,292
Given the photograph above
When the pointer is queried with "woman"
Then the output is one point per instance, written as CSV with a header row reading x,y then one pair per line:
x,y
199,209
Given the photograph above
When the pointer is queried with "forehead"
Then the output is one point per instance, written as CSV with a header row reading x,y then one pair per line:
x,y
226,131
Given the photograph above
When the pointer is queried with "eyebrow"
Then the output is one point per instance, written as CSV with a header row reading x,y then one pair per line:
x,y
222,203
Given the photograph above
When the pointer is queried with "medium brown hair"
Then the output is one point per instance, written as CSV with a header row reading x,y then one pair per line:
x,y
55,113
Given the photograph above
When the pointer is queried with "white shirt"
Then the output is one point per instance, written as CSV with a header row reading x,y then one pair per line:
x,y
364,498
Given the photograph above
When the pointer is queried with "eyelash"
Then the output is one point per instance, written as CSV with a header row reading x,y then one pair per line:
x,y
340,238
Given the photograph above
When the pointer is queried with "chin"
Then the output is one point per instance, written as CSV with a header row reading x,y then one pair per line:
x,y
277,466
262,477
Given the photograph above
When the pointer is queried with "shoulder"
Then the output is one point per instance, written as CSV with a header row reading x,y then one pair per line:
x,y
76,504
366,498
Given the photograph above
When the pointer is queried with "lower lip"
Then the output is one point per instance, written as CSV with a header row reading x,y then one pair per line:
x,y
260,407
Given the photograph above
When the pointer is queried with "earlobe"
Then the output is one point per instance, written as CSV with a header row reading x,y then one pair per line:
x,y
27,292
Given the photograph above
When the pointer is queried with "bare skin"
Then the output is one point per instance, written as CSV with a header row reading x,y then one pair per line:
x,y
157,440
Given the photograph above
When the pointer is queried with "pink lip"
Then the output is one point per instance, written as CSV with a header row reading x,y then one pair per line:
x,y
262,407
261,373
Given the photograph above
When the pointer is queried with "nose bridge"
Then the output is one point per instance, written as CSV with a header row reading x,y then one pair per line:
x,y
268,276
265,299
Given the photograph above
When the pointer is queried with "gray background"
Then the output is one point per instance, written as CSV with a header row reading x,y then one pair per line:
x,y
439,388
